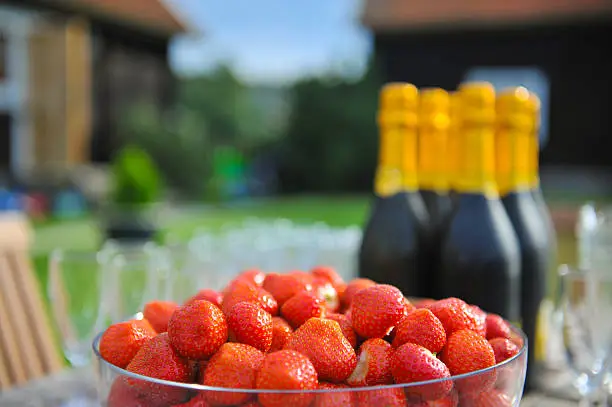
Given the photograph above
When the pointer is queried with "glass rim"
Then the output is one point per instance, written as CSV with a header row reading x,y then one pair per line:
x,y
78,255
202,387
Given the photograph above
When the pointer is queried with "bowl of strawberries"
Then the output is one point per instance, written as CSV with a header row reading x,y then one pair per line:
x,y
309,339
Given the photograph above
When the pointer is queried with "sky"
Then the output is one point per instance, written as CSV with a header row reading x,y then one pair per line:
x,y
271,41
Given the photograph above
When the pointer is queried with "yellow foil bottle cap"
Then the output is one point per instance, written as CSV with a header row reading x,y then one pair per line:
x,y
398,104
513,108
434,108
534,106
477,132
397,114
477,102
398,95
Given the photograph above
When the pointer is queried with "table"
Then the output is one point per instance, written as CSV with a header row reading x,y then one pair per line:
x,y
59,391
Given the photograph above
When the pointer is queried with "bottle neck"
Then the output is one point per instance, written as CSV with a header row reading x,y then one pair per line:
x,y
388,180
409,166
453,149
534,160
432,159
512,160
476,172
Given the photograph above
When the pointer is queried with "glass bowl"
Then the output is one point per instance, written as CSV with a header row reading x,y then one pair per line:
x,y
500,386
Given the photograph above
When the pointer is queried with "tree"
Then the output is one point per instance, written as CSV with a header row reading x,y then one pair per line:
x,y
331,139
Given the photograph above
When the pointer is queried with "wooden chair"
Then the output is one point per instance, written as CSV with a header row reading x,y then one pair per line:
x,y
27,345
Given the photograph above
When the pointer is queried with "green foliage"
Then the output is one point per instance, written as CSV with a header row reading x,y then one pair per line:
x,y
211,111
331,140
136,179
233,117
177,142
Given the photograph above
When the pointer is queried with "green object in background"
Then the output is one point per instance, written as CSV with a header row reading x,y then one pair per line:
x,y
136,178
228,171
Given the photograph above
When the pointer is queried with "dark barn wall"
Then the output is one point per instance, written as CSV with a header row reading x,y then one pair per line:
x,y
576,59
129,68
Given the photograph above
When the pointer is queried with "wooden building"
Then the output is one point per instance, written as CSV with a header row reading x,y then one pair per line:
x,y
559,47
68,71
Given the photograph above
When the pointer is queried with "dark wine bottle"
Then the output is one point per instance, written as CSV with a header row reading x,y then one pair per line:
x,y
432,158
534,178
480,258
514,131
453,156
391,250
433,174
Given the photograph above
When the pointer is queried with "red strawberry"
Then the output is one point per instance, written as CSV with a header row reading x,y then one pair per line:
x,y
281,331
248,323
208,295
497,327
393,397
328,295
413,363
236,283
408,306
254,276
253,403
120,342
377,309
251,277
234,366
455,315
244,291
334,398
199,400
197,330
373,364
284,286
450,400
421,327
466,351
345,326
286,370
301,307
481,319
329,274
123,395
302,276
424,303
517,339
158,359
353,288
322,341
491,398
158,314
503,349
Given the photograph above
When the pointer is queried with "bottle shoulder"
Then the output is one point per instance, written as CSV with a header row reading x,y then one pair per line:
x,y
480,224
527,221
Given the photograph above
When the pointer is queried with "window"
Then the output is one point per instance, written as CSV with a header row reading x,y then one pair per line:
x,y
532,78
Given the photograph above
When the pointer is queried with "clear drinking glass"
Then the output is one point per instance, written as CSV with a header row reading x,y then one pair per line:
x,y
75,288
135,274
586,305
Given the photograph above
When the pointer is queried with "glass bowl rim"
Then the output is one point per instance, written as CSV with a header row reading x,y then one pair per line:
x,y
202,388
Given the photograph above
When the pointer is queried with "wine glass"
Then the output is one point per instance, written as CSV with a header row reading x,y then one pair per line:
x,y
75,289
587,333
134,275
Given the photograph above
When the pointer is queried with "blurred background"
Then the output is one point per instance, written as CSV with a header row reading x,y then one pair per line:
x,y
204,112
